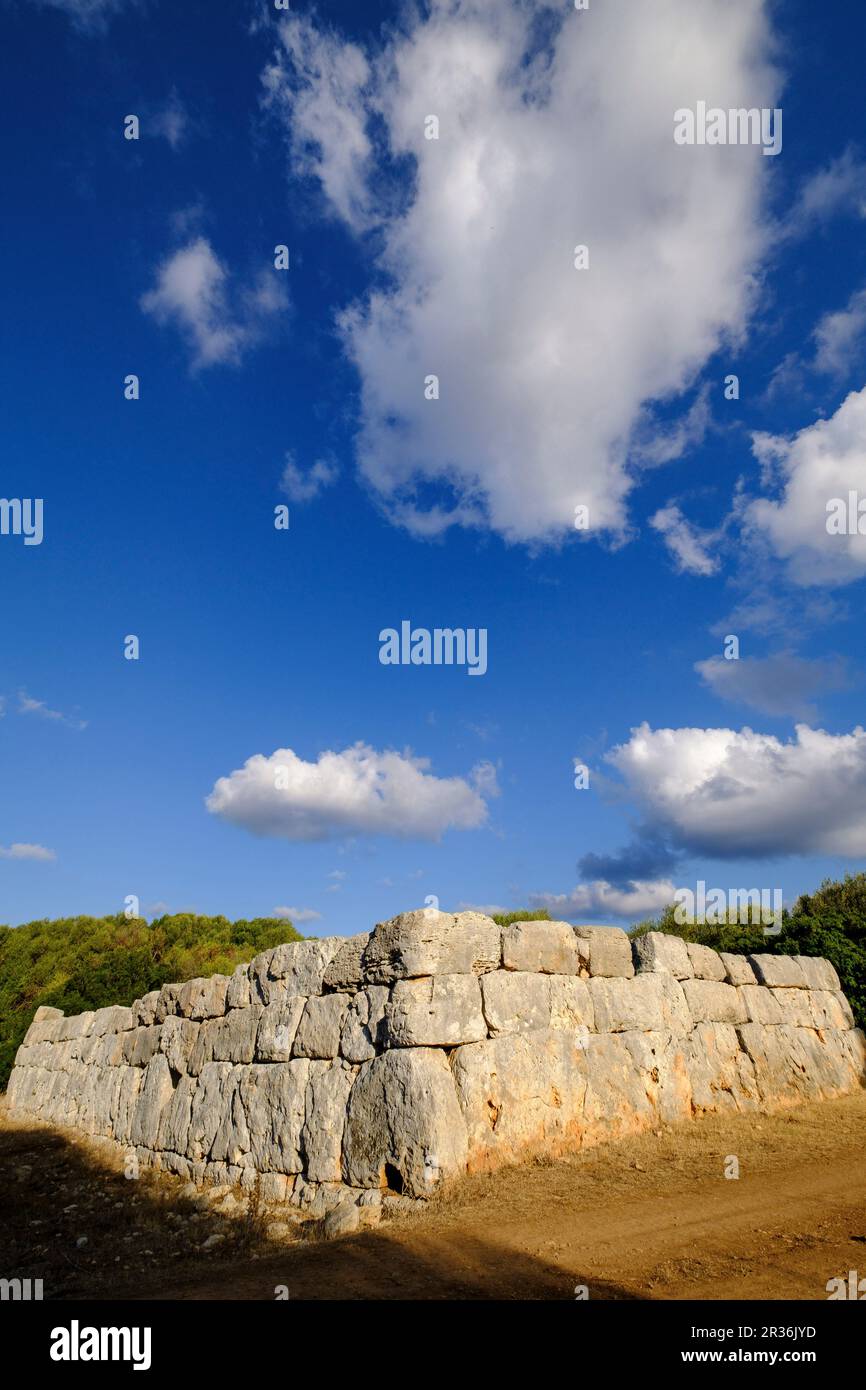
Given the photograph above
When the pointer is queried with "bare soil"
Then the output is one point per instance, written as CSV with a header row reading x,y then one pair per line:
x,y
652,1217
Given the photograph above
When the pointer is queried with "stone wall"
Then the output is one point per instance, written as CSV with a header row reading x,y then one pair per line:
x,y
333,1069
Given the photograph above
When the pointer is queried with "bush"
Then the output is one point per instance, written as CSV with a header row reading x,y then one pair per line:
x,y
78,963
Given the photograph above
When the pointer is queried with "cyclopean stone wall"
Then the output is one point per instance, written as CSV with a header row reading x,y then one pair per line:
x,y
341,1067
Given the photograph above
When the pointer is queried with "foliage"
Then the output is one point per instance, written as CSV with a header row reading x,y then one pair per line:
x,y
505,919
78,963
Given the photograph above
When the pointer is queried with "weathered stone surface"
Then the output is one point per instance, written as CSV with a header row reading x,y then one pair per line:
x,y
519,1094
177,1039
364,1029
760,1004
345,970
207,1108
738,970
239,992
616,1101
795,1006
326,1099
571,1005
155,1094
514,1002
203,998
706,963
828,1009
721,1075
278,1025
274,1102
298,967
167,1002
546,947
403,1115
710,1001
621,1005
784,971
609,951
138,1046
344,1220
819,973
659,951
233,1038
144,1009
435,1011
113,1019
321,1023
432,943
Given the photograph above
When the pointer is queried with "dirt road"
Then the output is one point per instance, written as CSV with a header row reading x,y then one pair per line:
x,y
648,1218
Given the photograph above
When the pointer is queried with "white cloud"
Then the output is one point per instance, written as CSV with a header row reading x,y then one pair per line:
x,y
546,372
221,321
91,15
304,487
727,794
171,122
355,792
599,898
24,851
839,335
825,461
27,705
297,914
781,684
690,546
837,188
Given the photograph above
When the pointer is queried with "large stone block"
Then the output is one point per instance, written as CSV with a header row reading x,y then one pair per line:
x,y
203,998
364,1029
404,1126
321,1023
434,1011
795,1006
177,1039
520,1094
297,967
239,993
710,1001
113,1019
278,1026
327,1096
706,963
514,1002
761,1005
609,951
207,1108
782,971
571,1005
274,1102
550,948
155,1094
621,1005
432,943
167,1002
659,951
721,1074
345,972
233,1038
819,973
829,1009
738,970
144,1009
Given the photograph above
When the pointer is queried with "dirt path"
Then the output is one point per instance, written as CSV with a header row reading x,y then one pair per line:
x,y
653,1217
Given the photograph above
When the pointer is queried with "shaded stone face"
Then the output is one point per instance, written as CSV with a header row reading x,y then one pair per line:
x,y
341,1068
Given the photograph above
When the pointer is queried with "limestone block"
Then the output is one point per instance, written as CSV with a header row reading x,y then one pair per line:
x,y
234,1036
795,1006
609,951
140,1045
622,1005
432,943
710,1001
277,1028
829,1009
327,1096
274,1102
780,1067
177,1039
435,1011
659,951
113,1019
819,973
144,1009
403,1115
520,1094
298,967
571,1004
206,1111
155,1094
174,1124
546,947
784,971
761,1005
738,970
232,1141
616,1101
363,1032
721,1074
660,1058
167,1002
706,963
514,1001
203,998
321,1023
239,992
345,971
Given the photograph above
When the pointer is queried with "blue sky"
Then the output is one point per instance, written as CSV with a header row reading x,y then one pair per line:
x,y
258,387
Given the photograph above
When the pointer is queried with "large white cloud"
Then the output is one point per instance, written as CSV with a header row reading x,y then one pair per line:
x,y
602,899
727,793
358,791
824,462
555,130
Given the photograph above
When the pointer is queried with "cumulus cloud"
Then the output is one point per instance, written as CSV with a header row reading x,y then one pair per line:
x,y
690,546
547,374
25,851
358,791
602,899
730,794
822,463
300,486
781,684
220,320
297,914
